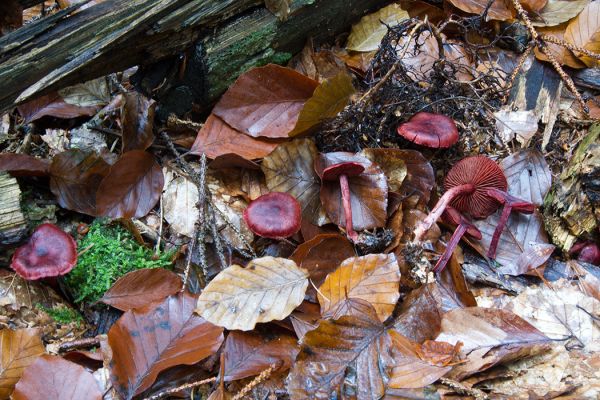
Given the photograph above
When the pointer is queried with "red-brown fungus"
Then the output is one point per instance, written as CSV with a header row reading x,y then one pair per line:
x,y
586,251
49,252
453,217
431,130
274,215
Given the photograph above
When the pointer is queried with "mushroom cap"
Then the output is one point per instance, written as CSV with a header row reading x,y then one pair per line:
x,y
350,168
483,173
49,252
586,251
274,215
431,130
329,166
453,217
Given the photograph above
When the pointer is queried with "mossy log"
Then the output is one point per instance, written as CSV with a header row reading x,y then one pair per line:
x,y
13,225
225,37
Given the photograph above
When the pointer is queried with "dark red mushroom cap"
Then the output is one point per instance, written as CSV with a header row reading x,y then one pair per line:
x,y
274,215
586,251
453,217
334,171
49,252
431,130
482,173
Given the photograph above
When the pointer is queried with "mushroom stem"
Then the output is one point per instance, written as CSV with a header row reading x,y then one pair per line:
x,y
452,243
345,187
439,208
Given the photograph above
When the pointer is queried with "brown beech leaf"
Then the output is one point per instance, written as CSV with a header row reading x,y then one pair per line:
x,y
584,32
321,65
24,165
132,187
53,105
216,138
534,5
18,350
142,287
290,168
374,278
148,340
409,371
74,179
391,161
351,343
320,256
368,192
499,9
419,180
329,98
366,35
555,12
305,318
563,55
490,336
249,353
265,101
137,117
267,289
54,378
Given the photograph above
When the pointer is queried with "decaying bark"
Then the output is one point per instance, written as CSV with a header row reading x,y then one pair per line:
x,y
13,225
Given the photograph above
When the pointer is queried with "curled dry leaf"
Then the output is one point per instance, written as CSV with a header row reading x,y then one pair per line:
x,y
142,287
54,378
267,289
216,138
137,117
498,10
584,32
290,168
374,278
265,101
366,35
248,354
132,187
179,201
23,165
18,350
53,105
555,12
149,340
94,93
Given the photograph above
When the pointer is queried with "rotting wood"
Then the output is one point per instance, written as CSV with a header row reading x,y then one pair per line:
x,y
13,225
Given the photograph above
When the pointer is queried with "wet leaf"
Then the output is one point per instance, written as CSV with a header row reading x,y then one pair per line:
x,y
142,287
499,10
584,32
74,179
216,138
490,337
53,105
54,378
290,168
366,35
419,180
329,98
267,289
94,93
555,12
265,101
132,187
374,278
149,340
137,117
23,165
391,161
18,350
305,318
248,354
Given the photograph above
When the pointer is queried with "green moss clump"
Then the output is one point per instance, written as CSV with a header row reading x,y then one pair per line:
x,y
109,252
63,315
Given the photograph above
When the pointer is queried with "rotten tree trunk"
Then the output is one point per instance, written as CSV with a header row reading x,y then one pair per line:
x,y
13,226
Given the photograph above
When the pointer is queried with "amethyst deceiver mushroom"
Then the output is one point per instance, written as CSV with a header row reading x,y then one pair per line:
x,y
463,226
431,130
50,252
274,215
467,185
586,251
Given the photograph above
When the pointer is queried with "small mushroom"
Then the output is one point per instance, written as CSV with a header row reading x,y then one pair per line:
x,y
431,130
274,215
467,185
50,252
586,251
510,203
453,217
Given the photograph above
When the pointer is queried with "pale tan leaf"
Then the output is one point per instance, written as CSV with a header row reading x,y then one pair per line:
x,y
18,350
555,12
374,278
89,94
179,205
368,32
584,32
267,289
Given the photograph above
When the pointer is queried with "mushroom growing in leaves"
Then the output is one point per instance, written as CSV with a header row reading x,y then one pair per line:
x,y
49,252
431,130
274,215
467,185
586,251
453,217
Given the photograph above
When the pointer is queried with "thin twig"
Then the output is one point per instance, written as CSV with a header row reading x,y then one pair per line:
x,y
180,388
252,384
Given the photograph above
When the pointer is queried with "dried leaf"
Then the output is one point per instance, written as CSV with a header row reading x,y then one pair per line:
x,y
422,52
321,65
74,179
280,8
420,178
53,105
374,278
584,32
179,201
329,98
265,101
267,289
137,117
53,378
462,63
23,165
290,168
490,337
142,287
18,350
368,32
94,93
499,10
534,5
522,125
132,187
555,12
563,55
249,354
528,175
391,161
216,138
149,340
